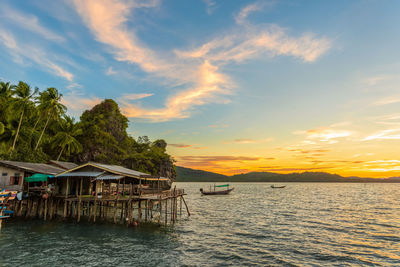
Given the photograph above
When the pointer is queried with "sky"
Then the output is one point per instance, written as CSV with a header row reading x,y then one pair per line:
x,y
232,86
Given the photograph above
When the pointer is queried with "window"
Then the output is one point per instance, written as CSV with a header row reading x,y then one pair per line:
x,y
4,174
16,179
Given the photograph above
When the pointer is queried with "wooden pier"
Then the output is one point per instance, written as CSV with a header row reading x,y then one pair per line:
x,y
163,208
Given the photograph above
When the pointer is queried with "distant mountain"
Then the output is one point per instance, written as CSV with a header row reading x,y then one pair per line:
x,y
191,175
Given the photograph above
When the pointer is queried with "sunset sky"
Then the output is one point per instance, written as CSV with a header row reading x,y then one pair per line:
x,y
232,86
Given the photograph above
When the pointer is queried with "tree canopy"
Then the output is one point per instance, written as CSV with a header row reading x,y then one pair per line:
x,y
34,127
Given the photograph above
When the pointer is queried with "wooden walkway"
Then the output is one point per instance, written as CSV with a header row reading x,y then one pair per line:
x,y
161,207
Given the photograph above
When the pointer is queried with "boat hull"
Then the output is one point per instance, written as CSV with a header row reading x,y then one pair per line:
x,y
224,192
278,186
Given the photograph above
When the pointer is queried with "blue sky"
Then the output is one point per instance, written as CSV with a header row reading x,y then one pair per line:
x,y
232,86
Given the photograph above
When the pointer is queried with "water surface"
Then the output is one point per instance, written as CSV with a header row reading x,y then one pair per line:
x,y
304,224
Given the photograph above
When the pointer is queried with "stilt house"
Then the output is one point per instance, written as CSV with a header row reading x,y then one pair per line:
x,y
97,179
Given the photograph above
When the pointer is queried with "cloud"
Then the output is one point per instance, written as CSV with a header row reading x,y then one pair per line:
x,y
289,169
248,141
218,126
180,145
387,101
218,158
34,54
389,134
209,83
371,81
310,151
74,85
383,165
325,134
135,96
186,146
106,19
210,6
254,41
110,71
29,22
77,103
241,17
197,73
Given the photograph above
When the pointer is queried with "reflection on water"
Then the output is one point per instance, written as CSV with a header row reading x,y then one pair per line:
x,y
308,223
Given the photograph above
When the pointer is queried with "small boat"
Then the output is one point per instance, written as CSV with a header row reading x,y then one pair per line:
x,y
5,196
217,192
281,186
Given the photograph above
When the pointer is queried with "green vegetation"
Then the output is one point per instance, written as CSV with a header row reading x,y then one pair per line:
x,y
34,127
191,175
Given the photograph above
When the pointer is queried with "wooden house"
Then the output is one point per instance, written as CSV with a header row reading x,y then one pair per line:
x,y
102,179
12,173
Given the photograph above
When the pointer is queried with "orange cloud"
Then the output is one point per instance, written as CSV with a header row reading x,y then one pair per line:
x,y
76,103
202,78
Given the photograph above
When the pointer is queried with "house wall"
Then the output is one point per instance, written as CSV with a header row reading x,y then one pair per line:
x,y
5,178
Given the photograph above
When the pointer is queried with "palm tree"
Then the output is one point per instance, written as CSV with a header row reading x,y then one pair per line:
x,y
65,137
6,92
50,104
23,95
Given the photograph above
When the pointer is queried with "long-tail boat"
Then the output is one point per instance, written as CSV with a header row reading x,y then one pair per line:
x,y
217,192
274,186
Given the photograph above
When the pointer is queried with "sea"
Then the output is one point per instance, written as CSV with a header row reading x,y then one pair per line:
x,y
303,224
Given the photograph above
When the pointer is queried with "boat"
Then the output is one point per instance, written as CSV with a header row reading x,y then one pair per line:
x,y
217,192
5,196
281,186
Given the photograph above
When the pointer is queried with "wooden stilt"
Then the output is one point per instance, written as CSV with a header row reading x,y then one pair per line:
x,y
116,203
187,209
166,211
80,200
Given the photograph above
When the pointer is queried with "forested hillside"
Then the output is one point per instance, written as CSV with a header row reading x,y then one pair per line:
x,y
35,127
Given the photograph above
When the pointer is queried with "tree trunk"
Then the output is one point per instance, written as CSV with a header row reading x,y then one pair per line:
x,y
19,126
59,155
41,135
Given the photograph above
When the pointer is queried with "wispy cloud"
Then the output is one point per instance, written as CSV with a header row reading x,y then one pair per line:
x,y
214,161
389,134
186,146
241,17
248,141
293,169
35,54
28,22
387,101
325,134
254,41
110,71
371,81
136,96
218,126
198,72
76,102
210,6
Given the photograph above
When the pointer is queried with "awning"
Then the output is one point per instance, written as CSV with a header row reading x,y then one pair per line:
x,y
222,185
80,174
38,177
109,177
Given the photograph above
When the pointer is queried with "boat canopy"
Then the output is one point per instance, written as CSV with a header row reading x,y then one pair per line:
x,y
222,185
38,177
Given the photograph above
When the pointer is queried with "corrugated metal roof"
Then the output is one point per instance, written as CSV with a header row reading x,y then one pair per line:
x,y
119,170
63,164
114,170
109,177
32,167
81,174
